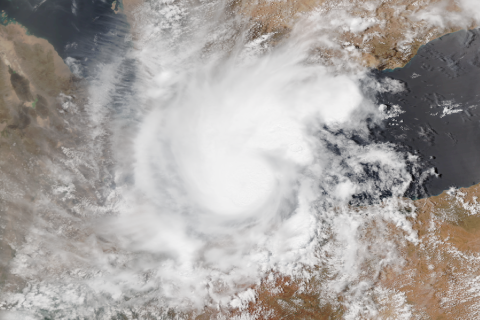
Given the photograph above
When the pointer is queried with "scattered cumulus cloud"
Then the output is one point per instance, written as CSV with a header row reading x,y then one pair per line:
x,y
231,164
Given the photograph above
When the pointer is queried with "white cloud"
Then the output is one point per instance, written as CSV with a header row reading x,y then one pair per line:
x,y
230,164
440,14
74,65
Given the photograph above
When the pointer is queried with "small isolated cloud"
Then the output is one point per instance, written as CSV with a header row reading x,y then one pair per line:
x,y
231,162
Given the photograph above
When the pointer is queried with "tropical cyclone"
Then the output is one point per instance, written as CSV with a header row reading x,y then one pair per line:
x,y
41,101
439,275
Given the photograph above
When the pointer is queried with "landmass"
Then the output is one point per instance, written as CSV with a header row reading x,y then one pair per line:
x,y
381,34
440,273
40,121
377,34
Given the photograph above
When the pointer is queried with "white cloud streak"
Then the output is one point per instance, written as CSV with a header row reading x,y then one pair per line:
x,y
240,164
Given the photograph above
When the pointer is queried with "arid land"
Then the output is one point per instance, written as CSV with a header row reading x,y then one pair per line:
x,y
439,274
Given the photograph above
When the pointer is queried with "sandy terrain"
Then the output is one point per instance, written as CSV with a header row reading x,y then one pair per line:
x,y
38,123
438,278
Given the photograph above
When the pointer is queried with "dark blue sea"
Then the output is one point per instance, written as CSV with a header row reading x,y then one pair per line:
x,y
441,119
81,29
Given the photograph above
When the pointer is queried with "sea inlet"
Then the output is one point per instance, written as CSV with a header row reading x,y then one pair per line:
x,y
441,110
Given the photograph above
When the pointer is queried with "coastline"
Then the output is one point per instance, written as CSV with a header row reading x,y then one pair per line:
x,y
423,46
450,213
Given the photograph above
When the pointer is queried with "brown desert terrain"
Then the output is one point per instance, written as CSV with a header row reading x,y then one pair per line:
x,y
437,277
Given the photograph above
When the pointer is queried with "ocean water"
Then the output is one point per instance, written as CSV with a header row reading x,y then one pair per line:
x,y
233,162
440,109
77,29
439,119
230,160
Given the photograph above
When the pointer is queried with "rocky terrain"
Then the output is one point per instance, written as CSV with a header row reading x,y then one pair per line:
x,y
378,34
381,34
41,122
437,279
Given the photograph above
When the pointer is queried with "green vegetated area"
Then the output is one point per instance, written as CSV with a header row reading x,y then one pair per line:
x,y
116,5
5,19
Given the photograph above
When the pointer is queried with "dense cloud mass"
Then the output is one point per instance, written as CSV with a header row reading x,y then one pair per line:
x,y
233,162
238,154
